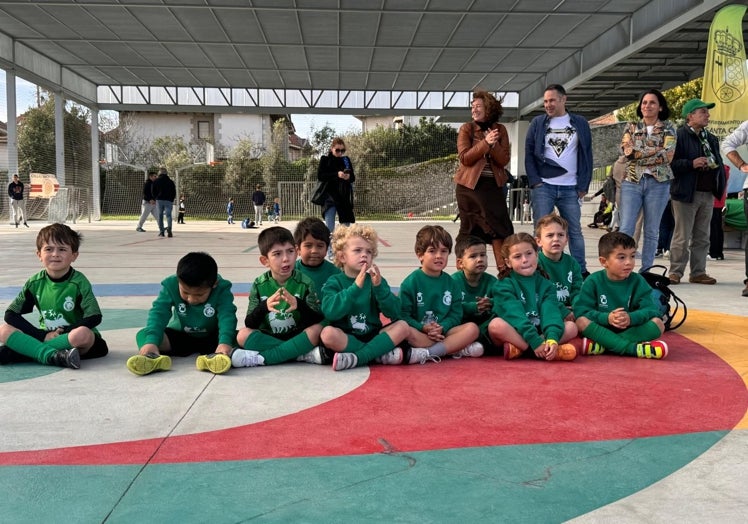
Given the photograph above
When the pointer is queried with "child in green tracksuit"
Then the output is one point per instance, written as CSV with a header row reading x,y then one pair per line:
x,y
354,299
475,285
193,313
615,310
68,310
526,309
432,303
564,272
312,239
283,315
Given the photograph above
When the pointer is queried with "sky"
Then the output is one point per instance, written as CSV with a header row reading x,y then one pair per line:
x,y
26,97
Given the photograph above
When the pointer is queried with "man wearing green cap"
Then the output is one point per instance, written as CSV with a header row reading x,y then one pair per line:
x,y
699,178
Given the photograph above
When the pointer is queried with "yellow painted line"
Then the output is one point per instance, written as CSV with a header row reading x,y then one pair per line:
x,y
725,336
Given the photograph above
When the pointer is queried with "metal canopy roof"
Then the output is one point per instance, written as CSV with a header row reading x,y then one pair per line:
x,y
604,52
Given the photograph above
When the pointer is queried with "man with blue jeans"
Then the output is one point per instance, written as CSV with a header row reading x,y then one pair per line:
x,y
165,192
558,162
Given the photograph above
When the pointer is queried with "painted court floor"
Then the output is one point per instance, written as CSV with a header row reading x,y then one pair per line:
x,y
599,439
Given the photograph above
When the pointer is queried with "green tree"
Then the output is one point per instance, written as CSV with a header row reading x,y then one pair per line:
x,y
36,142
274,163
676,98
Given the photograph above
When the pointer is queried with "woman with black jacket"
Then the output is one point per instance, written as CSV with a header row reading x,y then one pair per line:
x,y
336,172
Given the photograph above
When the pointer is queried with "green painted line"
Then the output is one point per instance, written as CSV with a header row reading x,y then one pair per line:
x,y
528,483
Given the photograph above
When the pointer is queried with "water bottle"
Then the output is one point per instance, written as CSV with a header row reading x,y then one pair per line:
x,y
428,318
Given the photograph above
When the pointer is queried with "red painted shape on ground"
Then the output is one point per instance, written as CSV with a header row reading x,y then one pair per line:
x,y
467,403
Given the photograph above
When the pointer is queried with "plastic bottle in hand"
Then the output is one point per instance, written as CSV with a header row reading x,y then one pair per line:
x,y
428,318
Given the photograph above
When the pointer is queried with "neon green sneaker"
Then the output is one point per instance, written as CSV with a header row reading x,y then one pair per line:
x,y
590,347
654,349
145,364
217,363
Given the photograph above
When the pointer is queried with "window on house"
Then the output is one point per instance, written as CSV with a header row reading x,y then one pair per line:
x,y
203,130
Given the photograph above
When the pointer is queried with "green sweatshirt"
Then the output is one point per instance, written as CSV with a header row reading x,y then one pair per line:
x,y
470,296
356,310
318,274
64,303
218,313
565,275
600,295
420,293
529,305
283,325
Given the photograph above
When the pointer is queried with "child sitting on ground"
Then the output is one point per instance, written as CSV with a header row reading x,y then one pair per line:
x,y
615,310
475,285
312,239
552,235
283,315
68,310
353,300
432,303
193,313
526,309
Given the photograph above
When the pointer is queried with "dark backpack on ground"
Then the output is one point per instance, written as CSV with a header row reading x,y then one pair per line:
x,y
673,310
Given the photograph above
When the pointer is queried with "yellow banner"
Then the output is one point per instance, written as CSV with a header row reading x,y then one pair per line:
x,y
725,71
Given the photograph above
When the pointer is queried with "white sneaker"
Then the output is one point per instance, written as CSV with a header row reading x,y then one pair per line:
x,y
666,254
246,358
344,361
421,356
393,358
471,350
315,356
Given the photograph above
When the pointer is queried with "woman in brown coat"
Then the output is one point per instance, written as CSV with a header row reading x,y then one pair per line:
x,y
483,149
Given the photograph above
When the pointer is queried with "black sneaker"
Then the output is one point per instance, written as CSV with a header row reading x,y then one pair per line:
x,y
65,358
168,233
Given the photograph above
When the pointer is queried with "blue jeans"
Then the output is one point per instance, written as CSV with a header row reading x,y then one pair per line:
x,y
649,196
164,207
330,223
547,196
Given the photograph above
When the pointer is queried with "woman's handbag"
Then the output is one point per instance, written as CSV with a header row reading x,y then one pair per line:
x,y
320,193
619,169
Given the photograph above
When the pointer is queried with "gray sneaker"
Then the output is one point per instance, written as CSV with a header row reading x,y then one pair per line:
x,y
421,356
315,356
246,358
65,358
393,358
343,361
471,350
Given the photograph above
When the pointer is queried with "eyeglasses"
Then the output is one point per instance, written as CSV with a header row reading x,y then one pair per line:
x,y
340,150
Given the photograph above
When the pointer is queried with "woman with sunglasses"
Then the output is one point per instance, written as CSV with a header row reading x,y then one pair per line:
x,y
336,170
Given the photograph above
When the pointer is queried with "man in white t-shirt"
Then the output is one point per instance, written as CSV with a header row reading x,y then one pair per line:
x,y
558,162
731,143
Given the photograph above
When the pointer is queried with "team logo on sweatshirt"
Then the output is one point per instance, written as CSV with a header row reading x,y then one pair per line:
x,y
68,305
209,310
604,300
419,297
182,308
358,323
447,298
